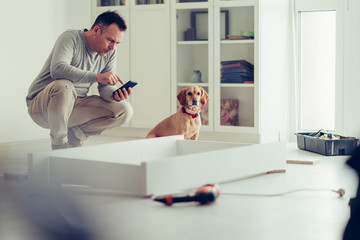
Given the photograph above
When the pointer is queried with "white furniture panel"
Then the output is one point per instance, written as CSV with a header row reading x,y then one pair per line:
x,y
155,166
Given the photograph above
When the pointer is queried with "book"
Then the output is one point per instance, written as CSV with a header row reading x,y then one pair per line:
x,y
236,37
237,69
237,74
235,80
231,65
235,63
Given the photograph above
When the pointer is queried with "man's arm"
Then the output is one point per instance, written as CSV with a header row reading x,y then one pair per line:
x,y
63,53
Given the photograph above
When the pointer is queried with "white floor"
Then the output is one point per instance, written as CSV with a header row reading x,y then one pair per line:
x,y
13,156
304,215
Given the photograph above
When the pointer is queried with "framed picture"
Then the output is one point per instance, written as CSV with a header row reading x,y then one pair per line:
x,y
199,22
229,112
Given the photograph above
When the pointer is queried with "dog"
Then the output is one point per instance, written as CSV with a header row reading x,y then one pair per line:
x,y
186,121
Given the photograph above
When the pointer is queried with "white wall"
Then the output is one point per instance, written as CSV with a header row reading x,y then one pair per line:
x,y
351,121
274,55
29,29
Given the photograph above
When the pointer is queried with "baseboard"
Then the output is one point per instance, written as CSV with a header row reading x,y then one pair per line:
x,y
229,137
204,135
127,132
14,143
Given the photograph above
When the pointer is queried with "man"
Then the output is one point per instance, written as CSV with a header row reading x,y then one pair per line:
x,y
57,98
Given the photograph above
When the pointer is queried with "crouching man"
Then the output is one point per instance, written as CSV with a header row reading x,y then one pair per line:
x,y
58,97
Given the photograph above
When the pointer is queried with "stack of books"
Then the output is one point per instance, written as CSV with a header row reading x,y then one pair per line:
x,y
112,2
139,2
237,71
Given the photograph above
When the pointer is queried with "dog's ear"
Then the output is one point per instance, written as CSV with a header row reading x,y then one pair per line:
x,y
204,96
182,97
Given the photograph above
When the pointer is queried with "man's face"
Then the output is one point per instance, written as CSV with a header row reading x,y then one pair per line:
x,y
107,39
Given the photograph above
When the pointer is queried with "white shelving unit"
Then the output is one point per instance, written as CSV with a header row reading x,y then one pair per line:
x,y
237,107
158,54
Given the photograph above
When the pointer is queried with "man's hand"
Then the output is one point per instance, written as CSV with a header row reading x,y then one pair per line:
x,y
119,95
110,78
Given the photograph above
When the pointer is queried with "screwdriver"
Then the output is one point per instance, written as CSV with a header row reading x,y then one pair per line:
x,y
204,195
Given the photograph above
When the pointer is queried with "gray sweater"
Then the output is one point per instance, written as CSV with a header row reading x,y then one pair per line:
x,y
72,59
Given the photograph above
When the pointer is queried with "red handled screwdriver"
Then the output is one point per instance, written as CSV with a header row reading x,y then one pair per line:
x,y
205,194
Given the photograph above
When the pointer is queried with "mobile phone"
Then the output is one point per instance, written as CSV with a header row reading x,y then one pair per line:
x,y
126,85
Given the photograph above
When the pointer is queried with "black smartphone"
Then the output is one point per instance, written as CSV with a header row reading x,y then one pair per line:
x,y
126,85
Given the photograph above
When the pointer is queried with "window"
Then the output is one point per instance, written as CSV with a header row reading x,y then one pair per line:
x,y
317,55
319,70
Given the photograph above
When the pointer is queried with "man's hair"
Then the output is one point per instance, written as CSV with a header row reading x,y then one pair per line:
x,y
107,18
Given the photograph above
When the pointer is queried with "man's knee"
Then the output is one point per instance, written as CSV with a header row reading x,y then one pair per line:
x,y
63,88
124,111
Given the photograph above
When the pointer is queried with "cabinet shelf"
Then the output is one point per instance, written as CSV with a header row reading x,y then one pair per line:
x,y
237,85
192,42
236,3
247,41
193,5
185,84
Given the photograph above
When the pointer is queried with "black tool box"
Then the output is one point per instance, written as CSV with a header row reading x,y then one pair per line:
x,y
328,147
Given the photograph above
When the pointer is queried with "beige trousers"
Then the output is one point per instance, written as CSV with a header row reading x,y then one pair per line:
x,y
58,108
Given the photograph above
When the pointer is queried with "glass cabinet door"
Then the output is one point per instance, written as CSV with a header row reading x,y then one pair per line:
x,y
192,51
235,73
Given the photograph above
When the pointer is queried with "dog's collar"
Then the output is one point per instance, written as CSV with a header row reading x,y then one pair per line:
x,y
194,115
